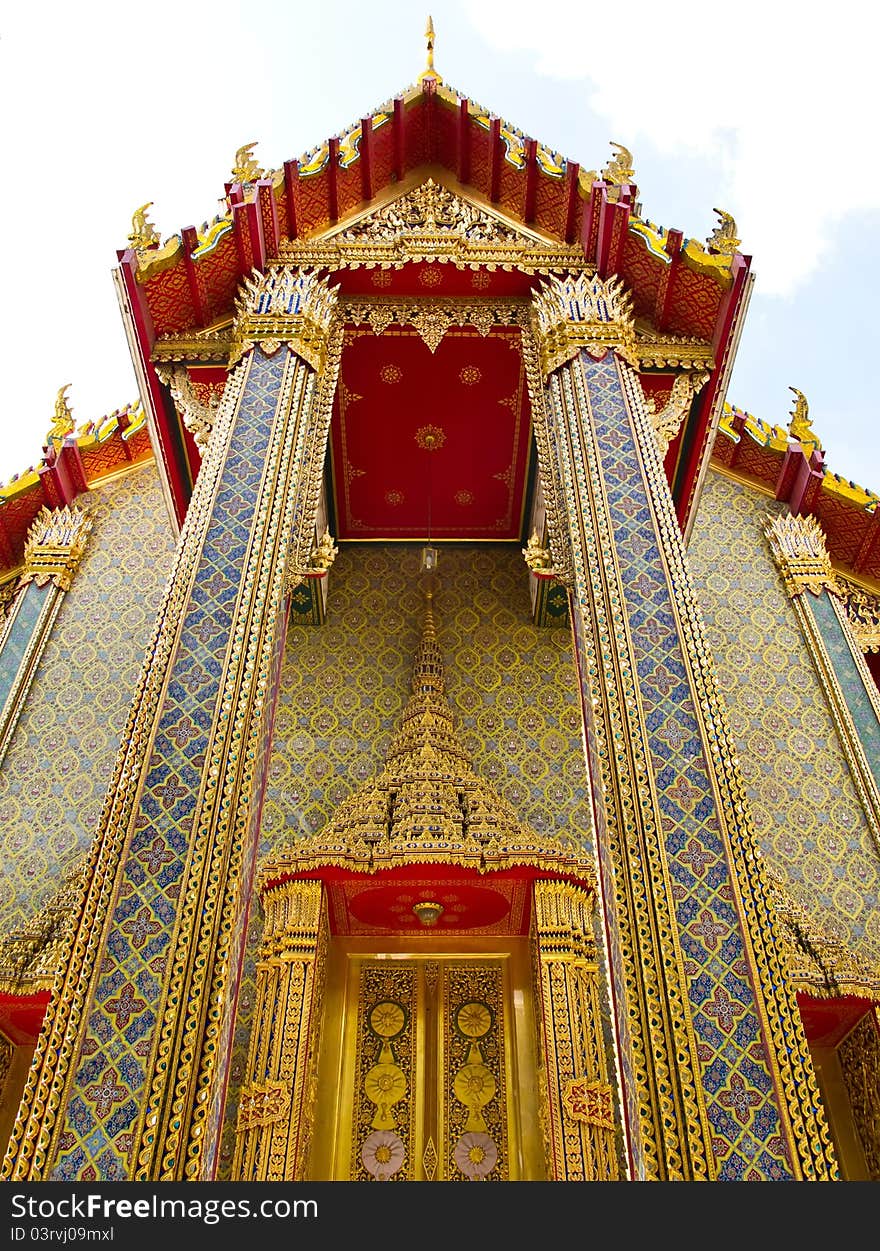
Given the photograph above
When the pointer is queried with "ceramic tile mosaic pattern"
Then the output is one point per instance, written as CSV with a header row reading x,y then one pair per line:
x,y
55,774
811,827
110,1077
20,634
735,1077
511,687
861,709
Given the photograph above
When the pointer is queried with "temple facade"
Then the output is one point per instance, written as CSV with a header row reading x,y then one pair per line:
x,y
439,733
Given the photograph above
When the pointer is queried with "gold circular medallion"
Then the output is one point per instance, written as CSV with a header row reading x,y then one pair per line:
x,y
473,1019
387,1019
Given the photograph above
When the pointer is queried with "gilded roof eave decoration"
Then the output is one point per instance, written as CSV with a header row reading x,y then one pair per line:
x,y
427,805
819,964
736,422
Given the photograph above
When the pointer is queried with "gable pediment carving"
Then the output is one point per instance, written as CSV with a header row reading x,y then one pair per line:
x,y
430,222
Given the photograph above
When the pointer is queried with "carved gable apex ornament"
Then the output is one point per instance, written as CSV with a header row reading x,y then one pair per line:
x,y
434,212
432,223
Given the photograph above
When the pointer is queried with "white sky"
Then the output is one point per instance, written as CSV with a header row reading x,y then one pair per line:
x,y
766,110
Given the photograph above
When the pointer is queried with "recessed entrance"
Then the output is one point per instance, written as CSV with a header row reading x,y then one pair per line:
x,y
427,1065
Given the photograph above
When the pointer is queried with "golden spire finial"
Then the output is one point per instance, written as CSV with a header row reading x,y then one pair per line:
x,y
430,72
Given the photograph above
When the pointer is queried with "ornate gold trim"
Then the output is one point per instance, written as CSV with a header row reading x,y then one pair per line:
x,y
285,305
273,1127
55,545
34,1139
818,963
582,1106
798,547
582,311
804,1124
30,955
432,223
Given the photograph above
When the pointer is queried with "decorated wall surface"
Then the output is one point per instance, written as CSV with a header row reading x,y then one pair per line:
x,y
60,760
811,827
511,686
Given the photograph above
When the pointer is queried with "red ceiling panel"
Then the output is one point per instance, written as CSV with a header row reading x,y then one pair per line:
x,y
422,438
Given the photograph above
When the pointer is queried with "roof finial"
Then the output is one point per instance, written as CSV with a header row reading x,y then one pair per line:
x,y
430,72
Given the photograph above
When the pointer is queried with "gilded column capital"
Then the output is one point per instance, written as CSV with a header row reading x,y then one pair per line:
x,y
55,546
287,305
798,547
582,311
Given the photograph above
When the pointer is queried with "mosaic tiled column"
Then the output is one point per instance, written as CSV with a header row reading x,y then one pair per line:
x,y
581,1116
273,1130
127,1081
715,1073
818,598
55,545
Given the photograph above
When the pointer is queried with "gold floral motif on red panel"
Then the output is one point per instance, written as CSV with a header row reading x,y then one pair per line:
x,y
694,304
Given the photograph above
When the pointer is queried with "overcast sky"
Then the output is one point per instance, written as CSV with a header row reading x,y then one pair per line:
x,y
766,110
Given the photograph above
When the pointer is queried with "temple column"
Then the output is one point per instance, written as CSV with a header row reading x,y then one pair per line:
x,y
55,546
129,1075
798,547
274,1113
580,1116
715,1075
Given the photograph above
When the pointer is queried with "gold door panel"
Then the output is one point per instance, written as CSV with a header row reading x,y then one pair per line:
x,y
422,1068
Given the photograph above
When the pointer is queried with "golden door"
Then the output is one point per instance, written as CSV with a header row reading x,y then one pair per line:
x,y
427,1068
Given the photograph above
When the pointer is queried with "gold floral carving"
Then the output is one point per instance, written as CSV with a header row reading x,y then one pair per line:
x,y
431,318
817,962
432,223
863,615
430,438
30,956
667,422
581,1113
275,1106
798,546
859,1056
592,1102
427,805
582,311
196,415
